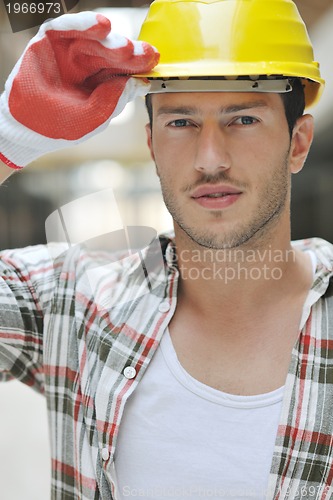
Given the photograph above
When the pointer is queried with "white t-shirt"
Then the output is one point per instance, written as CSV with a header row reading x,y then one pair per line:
x,y
180,438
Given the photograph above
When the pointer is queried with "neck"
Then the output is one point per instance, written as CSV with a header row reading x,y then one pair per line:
x,y
248,276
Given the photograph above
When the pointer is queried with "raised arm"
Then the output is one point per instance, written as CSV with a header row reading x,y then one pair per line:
x,y
73,77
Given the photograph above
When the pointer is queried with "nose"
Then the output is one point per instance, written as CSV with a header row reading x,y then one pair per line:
x,y
212,151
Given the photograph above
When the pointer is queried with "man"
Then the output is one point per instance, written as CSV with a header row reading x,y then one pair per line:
x,y
223,359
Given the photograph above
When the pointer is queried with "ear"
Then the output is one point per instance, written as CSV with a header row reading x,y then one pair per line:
x,y
150,140
301,142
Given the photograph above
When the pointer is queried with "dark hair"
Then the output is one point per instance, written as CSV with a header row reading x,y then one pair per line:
x,y
294,104
149,108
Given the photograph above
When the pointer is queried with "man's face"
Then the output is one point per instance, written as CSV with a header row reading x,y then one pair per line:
x,y
223,163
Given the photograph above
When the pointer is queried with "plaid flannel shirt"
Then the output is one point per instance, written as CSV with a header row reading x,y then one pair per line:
x,y
82,326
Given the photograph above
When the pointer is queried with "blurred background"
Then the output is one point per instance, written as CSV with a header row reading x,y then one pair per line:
x,y
118,159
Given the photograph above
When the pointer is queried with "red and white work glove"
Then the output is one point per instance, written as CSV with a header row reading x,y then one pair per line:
x,y
73,77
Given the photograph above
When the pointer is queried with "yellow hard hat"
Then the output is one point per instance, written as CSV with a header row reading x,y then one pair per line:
x,y
258,39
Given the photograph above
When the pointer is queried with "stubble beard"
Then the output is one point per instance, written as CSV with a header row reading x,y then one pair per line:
x,y
273,200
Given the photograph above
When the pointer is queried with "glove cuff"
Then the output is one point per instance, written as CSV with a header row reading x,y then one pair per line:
x,y
15,140
9,163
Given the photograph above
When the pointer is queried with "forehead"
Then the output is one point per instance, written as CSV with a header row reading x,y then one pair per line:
x,y
215,102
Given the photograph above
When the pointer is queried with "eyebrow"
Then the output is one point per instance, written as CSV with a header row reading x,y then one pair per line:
x,y
192,110
242,106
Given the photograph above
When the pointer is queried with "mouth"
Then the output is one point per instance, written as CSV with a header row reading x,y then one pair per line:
x,y
216,197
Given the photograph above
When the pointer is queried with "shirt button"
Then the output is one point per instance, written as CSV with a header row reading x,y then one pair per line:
x,y
105,454
129,372
164,307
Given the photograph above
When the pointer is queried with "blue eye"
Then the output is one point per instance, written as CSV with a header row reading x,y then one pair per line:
x,y
181,122
246,120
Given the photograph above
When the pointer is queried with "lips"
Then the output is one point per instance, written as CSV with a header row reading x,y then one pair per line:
x,y
216,197
215,191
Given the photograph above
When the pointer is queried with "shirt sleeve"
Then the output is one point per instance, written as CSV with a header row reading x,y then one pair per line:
x,y
26,290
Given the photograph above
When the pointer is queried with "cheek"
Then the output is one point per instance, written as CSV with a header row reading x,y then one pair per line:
x,y
169,162
166,175
175,147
